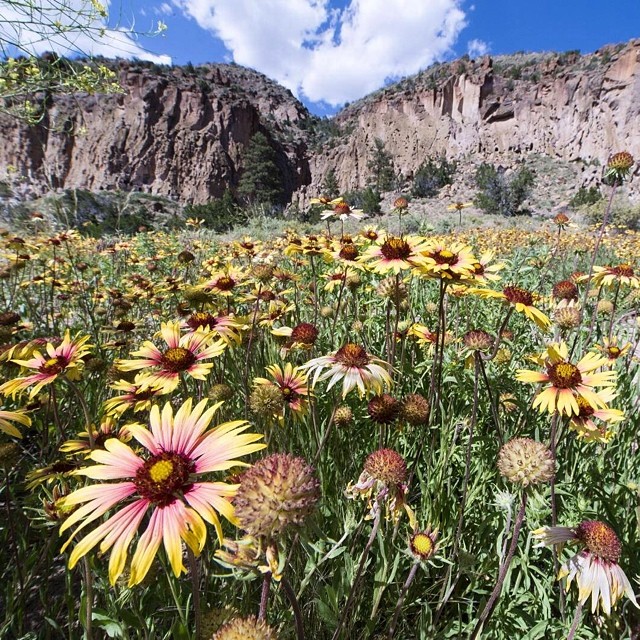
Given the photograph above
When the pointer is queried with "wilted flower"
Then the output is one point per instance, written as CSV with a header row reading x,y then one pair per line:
x,y
383,408
415,410
595,568
423,544
619,166
343,416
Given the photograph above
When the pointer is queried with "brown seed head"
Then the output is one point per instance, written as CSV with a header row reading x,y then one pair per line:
x,y
565,290
600,539
415,410
383,409
245,629
343,416
386,466
478,340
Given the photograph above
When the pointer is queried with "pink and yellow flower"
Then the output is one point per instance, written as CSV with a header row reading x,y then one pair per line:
x,y
185,354
164,480
62,360
293,385
392,253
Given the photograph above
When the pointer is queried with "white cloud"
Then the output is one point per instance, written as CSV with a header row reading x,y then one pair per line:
x,y
328,54
477,48
27,30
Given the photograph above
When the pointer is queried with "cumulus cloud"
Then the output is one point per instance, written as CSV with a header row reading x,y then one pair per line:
x,y
477,48
67,27
331,54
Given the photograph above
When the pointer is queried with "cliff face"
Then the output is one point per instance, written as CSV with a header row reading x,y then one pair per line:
x,y
175,132
567,106
181,132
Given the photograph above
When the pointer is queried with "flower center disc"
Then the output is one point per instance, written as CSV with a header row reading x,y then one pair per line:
x,y
422,545
348,252
444,257
624,270
201,319
517,295
585,408
565,375
600,539
352,355
54,366
305,333
225,283
177,359
163,476
395,249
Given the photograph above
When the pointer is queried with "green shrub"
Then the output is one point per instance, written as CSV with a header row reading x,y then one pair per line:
x,y
366,199
432,176
623,213
220,215
585,196
499,194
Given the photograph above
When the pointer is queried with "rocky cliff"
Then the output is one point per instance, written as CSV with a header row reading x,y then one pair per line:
x,y
181,132
566,106
177,132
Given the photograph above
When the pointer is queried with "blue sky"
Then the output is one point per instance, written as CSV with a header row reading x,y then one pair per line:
x,y
329,52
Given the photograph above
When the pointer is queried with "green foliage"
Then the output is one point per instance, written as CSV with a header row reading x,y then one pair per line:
x,y
367,199
380,166
585,196
499,194
432,176
330,186
219,215
261,181
623,213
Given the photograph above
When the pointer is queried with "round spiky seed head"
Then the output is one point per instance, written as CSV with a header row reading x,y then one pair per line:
x,y
279,491
386,466
431,307
567,317
354,280
197,295
245,629
9,454
383,409
262,272
212,619
393,290
343,416
600,539
9,318
565,290
620,162
561,219
185,257
95,364
478,340
220,392
304,333
265,400
327,312
415,410
605,307
525,461
401,203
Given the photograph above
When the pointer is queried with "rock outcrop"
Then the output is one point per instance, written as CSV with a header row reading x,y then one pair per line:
x,y
566,106
177,132
181,132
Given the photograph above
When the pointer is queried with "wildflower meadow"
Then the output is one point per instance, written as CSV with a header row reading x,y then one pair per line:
x,y
357,433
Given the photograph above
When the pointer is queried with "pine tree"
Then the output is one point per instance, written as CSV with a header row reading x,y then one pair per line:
x,y
381,167
330,187
261,180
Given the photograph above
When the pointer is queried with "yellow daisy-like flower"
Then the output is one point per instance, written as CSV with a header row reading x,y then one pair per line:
x,y
395,254
454,262
568,381
610,349
621,274
520,299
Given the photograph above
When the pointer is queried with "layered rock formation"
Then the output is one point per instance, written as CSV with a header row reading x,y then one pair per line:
x,y
567,106
176,132
181,132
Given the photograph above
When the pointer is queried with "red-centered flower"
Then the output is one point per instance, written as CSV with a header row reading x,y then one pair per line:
x,y
62,360
354,366
393,253
166,480
595,568
222,327
292,384
184,354
567,381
